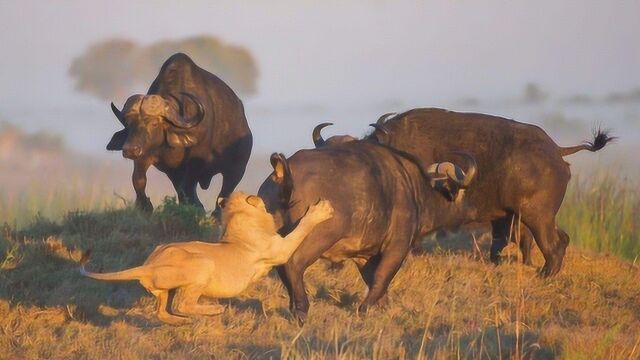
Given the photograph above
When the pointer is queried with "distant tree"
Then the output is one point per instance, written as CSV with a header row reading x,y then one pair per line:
x,y
533,94
14,139
114,68
107,69
631,96
578,99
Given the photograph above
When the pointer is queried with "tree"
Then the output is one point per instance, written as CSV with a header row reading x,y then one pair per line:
x,y
533,94
114,68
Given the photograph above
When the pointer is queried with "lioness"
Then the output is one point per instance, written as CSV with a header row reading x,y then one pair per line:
x,y
249,247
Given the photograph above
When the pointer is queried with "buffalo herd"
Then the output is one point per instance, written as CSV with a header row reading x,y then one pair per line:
x,y
417,172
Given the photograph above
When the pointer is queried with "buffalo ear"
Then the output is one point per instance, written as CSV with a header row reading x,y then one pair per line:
x,y
282,176
280,167
185,139
118,139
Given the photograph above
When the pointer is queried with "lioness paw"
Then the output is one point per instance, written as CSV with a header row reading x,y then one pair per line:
x,y
321,211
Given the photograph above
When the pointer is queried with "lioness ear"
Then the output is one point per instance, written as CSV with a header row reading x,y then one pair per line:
x,y
181,140
253,200
118,139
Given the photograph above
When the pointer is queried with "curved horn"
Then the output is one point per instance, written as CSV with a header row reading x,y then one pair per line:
x,y
380,128
454,172
183,123
384,117
177,102
318,141
472,168
118,114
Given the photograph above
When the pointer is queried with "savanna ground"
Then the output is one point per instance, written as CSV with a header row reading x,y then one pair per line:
x,y
446,303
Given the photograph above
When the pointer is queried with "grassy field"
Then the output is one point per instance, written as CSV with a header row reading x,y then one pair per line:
x,y
602,213
447,303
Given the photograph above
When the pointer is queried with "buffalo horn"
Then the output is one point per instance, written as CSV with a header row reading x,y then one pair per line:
x,y
383,118
118,114
318,141
379,128
454,172
180,121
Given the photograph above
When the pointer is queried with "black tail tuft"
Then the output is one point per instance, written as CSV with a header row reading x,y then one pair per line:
x,y
600,138
85,257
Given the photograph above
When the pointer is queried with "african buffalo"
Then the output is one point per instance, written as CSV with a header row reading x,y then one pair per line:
x,y
522,171
190,126
523,238
382,202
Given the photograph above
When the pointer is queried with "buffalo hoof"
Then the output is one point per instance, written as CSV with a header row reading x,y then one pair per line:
x,y
300,317
365,307
144,205
547,271
363,310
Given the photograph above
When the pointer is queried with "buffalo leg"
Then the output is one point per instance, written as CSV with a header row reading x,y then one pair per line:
x,y
499,232
282,273
186,189
525,242
386,269
305,255
551,241
504,229
139,179
295,270
368,268
230,180
191,194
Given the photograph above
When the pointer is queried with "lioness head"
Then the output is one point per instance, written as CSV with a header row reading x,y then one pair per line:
x,y
245,218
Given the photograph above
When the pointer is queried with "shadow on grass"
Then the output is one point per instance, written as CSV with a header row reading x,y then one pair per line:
x,y
441,342
462,240
39,264
486,343
254,305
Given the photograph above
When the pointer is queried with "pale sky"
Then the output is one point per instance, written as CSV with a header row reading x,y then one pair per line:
x,y
330,53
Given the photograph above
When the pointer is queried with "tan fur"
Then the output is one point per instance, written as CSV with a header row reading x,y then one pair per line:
x,y
249,247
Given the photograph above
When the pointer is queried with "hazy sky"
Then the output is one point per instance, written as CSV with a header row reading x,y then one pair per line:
x,y
333,50
332,53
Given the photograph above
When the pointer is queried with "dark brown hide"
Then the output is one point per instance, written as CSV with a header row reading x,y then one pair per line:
x,y
382,202
190,125
521,170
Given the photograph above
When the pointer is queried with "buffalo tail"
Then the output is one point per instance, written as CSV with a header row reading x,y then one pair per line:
x,y
600,139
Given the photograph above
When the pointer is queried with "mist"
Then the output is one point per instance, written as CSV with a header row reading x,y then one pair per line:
x,y
565,66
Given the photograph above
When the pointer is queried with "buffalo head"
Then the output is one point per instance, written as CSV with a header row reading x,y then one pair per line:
x,y
449,179
152,120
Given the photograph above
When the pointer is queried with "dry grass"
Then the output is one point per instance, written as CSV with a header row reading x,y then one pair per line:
x,y
443,304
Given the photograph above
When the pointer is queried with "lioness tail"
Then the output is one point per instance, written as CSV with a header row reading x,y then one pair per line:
x,y
130,274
